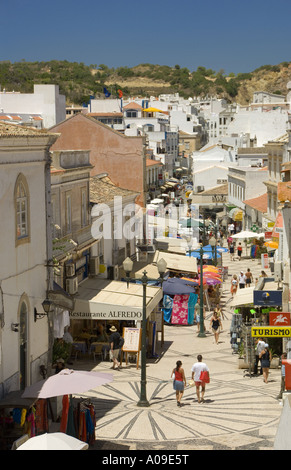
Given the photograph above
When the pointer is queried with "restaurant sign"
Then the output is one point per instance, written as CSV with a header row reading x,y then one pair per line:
x,y
107,315
271,331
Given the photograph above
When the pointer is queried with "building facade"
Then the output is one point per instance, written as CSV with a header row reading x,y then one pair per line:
x,y
26,255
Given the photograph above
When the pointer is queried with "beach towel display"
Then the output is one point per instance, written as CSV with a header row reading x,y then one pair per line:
x,y
191,305
180,310
167,309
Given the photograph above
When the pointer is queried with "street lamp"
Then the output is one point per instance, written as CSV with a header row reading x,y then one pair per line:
x,y
127,266
201,333
212,243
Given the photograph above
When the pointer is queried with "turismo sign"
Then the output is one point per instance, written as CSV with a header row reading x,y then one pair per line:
x,y
271,331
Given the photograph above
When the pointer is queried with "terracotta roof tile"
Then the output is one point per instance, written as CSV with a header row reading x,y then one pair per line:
x,y
259,203
103,190
132,105
150,162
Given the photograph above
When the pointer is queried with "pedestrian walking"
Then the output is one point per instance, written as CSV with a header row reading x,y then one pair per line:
x,y
196,370
249,277
239,251
114,341
179,381
242,280
215,325
282,390
231,250
266,358
234,285
259,347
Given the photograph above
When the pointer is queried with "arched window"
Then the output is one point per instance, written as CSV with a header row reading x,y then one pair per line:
x,y
21,201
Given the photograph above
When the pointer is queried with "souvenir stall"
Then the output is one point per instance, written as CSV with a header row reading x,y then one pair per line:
x,y
179,301
21,418
251,307
78,419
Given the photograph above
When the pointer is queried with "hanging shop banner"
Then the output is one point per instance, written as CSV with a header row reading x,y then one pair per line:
x,y
271,331
265,260
270,298
279,319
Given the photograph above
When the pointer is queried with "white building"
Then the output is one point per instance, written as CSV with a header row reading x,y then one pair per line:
x,y
245,183
45,101
25,241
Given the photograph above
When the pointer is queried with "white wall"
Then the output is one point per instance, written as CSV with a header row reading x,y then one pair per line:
x,y
265,126
45,100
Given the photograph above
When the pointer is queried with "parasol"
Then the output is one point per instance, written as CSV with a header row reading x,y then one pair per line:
x,y
67,382
53,441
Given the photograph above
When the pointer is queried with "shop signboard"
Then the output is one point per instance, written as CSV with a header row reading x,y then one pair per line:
x,y
132,343
279,319
268,235
270,298
265,260
271,331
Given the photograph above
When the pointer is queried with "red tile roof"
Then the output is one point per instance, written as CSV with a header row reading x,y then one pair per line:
x,y
150,162
259,203
132,105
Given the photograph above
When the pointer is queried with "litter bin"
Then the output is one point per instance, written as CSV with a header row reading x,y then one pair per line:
x,y
287,364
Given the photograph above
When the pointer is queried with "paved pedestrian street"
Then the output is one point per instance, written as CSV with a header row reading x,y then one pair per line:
x,y
240,412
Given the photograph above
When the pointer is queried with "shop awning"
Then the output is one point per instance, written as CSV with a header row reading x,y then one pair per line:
x,y
236,214
243,297
151,270
177,262
102,299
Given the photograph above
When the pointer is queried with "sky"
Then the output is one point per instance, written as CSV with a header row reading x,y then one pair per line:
x,y
231,35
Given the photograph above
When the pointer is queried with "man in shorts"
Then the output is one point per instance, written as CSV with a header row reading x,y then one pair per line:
x,y
114,347
196,370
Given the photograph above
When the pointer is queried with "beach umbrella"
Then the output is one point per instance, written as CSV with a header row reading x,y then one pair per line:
x,y
219,249
190,280
196,254
67,382
154,110
177,286
53,441
271,244
246,234
209,268
211,281
206,254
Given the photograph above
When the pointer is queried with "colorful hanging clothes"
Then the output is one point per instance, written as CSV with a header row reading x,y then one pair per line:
x,y
41,416
30,423
65,411
191,306
71,431
167,309
180,310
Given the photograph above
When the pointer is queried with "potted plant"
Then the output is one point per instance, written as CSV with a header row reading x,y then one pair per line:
x,y
275,362
241,357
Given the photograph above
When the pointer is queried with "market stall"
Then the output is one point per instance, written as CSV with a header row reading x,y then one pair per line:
x,y
21,417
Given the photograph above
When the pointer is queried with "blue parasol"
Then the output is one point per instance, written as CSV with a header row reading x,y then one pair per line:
x,y
177,286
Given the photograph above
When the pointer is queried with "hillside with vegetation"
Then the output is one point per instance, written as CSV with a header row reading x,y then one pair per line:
x,y
78,81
